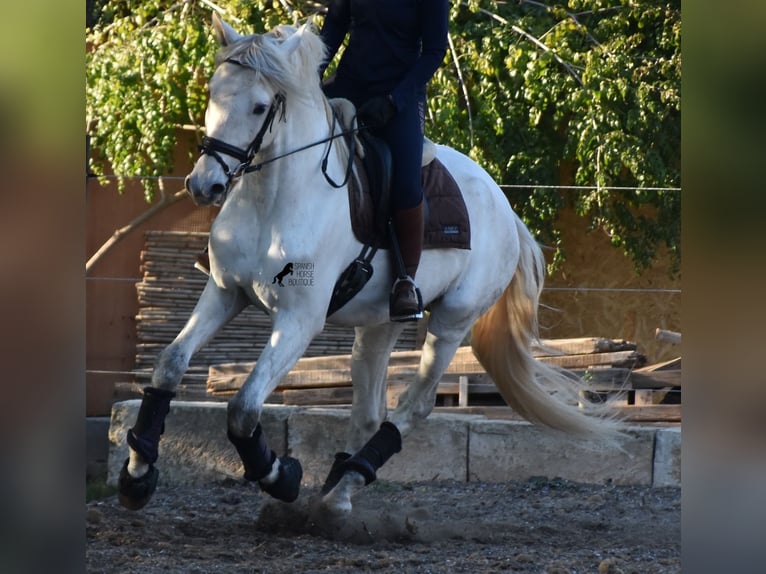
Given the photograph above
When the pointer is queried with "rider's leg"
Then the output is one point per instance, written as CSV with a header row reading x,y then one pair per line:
x,y
408,226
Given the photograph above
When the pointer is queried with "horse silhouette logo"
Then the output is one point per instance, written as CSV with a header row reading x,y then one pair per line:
x,y
288,270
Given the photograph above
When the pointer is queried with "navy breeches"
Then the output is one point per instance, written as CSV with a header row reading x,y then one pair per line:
x,y
404,136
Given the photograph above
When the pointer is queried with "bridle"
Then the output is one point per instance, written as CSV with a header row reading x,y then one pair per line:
x,y
215,147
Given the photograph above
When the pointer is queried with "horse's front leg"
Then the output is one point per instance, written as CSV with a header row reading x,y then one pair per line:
x,y
278,476
138,478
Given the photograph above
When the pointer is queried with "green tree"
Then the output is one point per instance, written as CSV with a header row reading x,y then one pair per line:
x,y
584,92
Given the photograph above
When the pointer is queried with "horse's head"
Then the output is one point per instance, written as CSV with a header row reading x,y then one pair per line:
x,y
255,76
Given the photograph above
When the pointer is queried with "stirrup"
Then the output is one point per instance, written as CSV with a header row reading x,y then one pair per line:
x,y
408,314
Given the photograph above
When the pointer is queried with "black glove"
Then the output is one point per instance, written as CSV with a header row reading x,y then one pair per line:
x,y
377,112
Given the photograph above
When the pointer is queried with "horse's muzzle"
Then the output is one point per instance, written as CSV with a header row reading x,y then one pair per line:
x,y
204,193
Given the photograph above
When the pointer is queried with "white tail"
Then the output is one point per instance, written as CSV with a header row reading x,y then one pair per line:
x,y
501,339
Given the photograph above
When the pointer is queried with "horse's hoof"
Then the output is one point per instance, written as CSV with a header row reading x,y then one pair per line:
x,y
336,472
134,493
288,484
337,506
338,500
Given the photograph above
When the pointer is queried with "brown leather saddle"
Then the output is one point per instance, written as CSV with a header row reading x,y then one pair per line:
x,y
446,218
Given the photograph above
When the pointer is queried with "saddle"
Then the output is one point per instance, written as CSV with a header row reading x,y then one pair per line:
x,y
446,216
369,186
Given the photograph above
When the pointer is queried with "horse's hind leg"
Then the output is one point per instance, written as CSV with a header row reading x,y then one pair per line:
x,y
138,478
415,404
369,366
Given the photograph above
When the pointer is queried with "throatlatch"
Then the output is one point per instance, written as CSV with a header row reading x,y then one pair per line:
x,y
258,460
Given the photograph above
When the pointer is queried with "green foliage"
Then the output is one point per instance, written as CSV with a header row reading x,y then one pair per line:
x,y
584,92
146,77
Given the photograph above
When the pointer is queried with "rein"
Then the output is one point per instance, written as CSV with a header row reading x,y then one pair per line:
x,y
214,147
330,138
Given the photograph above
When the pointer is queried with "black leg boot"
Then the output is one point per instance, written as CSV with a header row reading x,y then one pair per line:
x,y
258,460
406,302
144,439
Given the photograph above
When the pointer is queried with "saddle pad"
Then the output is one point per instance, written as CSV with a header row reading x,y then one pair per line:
x,y
446,216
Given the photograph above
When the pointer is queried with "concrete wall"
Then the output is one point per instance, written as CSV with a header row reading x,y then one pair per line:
x,y
195,450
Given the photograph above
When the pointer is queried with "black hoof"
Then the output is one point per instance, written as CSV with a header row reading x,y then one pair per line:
x,y
288,483
134,493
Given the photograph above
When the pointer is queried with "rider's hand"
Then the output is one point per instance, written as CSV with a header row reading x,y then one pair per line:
x,y
377,112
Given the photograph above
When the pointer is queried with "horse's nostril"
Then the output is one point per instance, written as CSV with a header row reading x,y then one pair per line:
x,y
187,181
217,189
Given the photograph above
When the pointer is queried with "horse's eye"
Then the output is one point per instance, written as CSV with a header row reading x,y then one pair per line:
x,y
259,109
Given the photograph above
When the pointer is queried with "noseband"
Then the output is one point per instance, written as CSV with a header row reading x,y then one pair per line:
x,y
215,147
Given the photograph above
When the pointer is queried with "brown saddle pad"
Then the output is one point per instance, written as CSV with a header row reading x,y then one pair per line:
x,y
446,224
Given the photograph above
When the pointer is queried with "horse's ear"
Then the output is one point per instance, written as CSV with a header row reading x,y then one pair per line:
x,y
224,33
292,43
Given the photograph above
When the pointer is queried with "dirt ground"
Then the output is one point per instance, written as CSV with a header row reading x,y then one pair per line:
x,y
540,526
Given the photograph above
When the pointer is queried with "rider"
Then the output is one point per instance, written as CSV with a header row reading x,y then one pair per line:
x,y
394,48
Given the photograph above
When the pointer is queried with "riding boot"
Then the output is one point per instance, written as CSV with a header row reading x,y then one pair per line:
x,y
406,303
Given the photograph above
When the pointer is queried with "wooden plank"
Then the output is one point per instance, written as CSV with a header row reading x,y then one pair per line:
x,y
655,379
654,413
671,365
580,346
616,359
325,396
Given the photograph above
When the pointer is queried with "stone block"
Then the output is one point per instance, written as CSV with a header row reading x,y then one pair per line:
x,y
512,450
435,450
96,447
194,448
667,457
314,435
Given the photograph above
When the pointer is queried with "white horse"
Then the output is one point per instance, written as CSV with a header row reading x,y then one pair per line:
x,y
266,107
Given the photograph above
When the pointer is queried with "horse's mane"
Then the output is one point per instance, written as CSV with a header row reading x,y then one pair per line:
x,y
296,75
